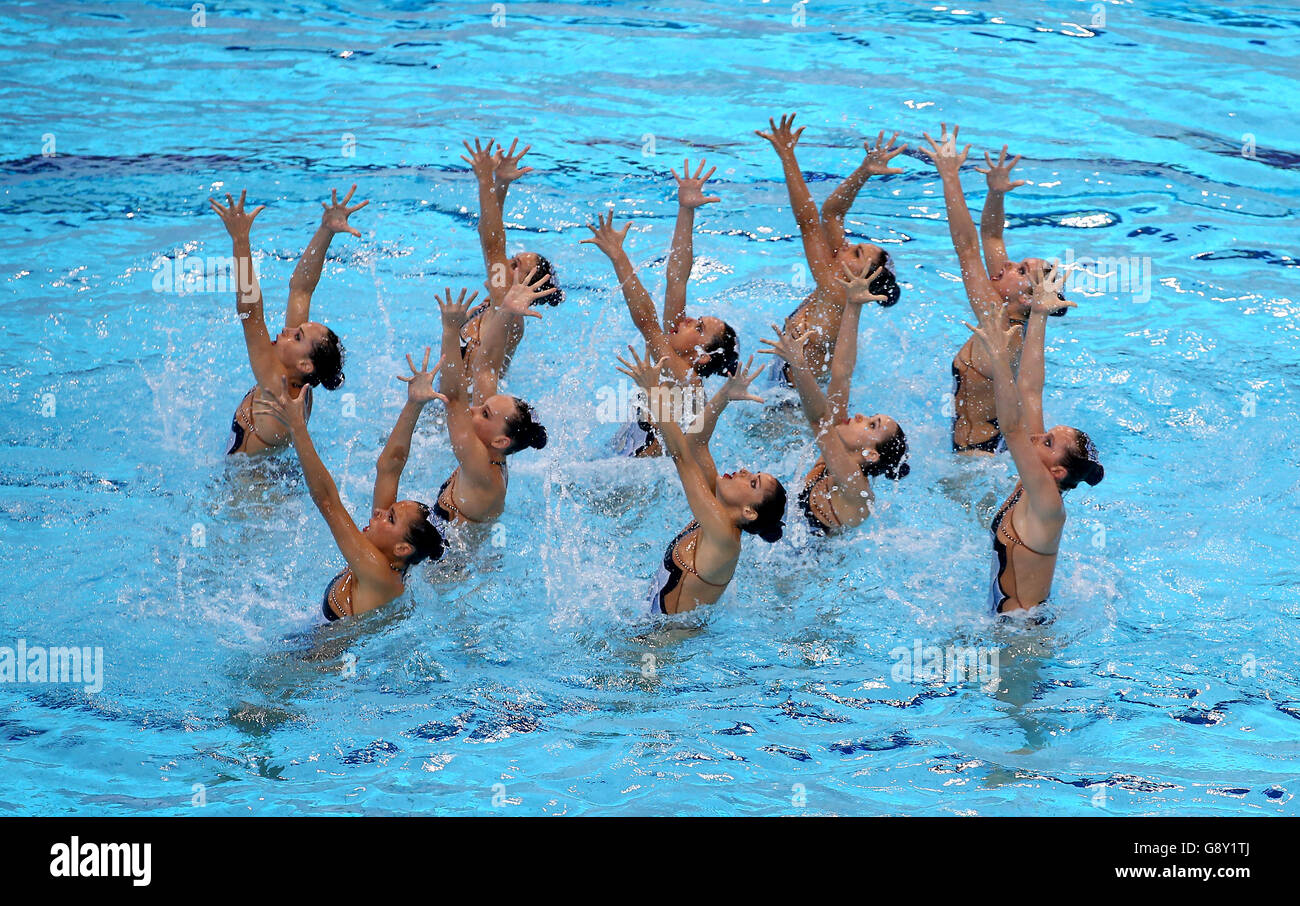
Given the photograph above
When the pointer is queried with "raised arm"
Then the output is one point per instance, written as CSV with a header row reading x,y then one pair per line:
x,y
306,274
695,481
639,304
701,428
993,218
475,458
681,255
790,348
983,297
362,556
248,293
1040,487
857,289
515,306
392,461
1047,285
838,203
735,388
491,226
507,171
821,259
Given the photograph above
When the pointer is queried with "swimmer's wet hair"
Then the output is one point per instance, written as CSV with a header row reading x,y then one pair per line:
x,y
886,284
523,429
546,269
1081,463
424,536
893,458
724,356
327,362
768,524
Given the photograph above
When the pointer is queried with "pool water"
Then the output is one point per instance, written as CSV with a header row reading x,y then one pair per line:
x,y
532,682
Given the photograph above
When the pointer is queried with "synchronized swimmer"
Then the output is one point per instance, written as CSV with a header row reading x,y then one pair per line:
x,y
998,376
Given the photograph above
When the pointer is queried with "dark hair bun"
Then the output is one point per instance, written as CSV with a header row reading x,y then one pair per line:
x,y
724,356
523,429
327,362
896,473
886,284
773,533
536,436
424,536
546,269
1095,474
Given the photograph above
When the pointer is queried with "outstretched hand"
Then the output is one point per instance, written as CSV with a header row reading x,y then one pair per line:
x,y
605,237
876,163
783,135
999,174
238,221
944,153
455,313
523,293
737,385
690,189
787,345
996,338
507,163
283,406
419,385
480,159
646,373
857,287
1048,285
335,216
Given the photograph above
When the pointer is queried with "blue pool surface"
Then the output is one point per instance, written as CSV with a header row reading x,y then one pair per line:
x,y
533,682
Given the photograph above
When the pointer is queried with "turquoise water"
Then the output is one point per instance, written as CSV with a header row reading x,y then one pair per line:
x,y
533,683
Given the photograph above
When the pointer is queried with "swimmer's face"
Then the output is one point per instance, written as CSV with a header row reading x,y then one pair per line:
x,y
861,258
522,264
294,346
388,528
490,420
1012,283
1051,448
866,433
691,336
746,489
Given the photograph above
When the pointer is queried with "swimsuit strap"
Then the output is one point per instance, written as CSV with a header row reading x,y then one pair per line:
x,y
250,421
815,520
694,529
1008,532
331,593
830,499
449,489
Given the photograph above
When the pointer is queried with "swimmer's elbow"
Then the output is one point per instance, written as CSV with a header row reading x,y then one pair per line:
x,y
394,460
